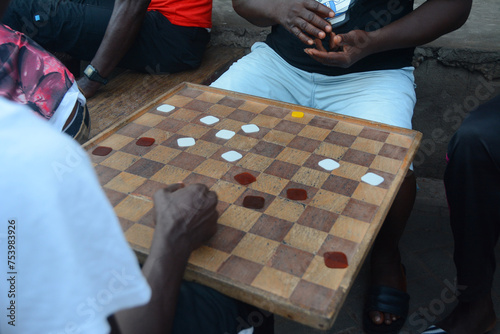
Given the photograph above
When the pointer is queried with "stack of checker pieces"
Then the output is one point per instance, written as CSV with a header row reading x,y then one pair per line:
x,y
270,257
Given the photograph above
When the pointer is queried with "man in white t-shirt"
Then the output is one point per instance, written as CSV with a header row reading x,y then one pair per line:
x,y
67,267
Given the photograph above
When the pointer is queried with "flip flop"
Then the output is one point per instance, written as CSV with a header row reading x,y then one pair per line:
x,y
434,330
386,300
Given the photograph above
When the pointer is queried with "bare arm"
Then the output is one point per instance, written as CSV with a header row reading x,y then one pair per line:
x,y
122,30
303,18
431,20
185,218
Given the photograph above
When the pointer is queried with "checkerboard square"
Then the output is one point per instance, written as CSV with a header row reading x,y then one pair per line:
x,y
149,188
171,125
198,105
190,92
255,162
360,210
323,122
242,116
358,157
340,185
133,130
267,149
114,197
240,269
193,130
145,168
374,134
290,260
271,227
250,192
255,248
289,127
279,137
282,169
187,161
315,133
340,139
231,102
303,292
305,238
318,219
276,111
225,239
393,152
195,178
311,191
105,174
304,144
213,168
239,218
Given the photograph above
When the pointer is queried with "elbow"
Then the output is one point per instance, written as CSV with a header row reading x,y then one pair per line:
x,y
463,13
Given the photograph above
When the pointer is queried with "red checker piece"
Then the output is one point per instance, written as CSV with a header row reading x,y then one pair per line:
x,y
336,260
254,202
145,141
102,151
245,178
296,194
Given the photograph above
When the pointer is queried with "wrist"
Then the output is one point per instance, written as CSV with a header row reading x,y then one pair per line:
x,y
92,74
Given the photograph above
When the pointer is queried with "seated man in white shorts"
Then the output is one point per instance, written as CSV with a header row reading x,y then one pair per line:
x,y
358,65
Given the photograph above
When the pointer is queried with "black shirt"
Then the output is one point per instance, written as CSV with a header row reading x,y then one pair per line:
x,y
368,15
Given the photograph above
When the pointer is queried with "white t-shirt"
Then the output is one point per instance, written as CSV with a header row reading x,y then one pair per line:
x,y
70,265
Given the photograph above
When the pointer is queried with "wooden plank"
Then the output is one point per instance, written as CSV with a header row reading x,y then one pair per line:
x,y
130,90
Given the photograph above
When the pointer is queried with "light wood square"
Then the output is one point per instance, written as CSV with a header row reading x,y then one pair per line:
x,y
279,137
320,274
203,148
177,101
266,121
269,184
348,128
133,208
228,192
162,154
285,209
186,115
310,177
303,120
159,135
170,174
386,164
229,124
210,97
255,248
116,141
243,143
213,168
125,182
120,161
305,238
150,120
314,132
367,145
370,194
193,130
140,235
277,281
350,171
329,201
399,140
293,156
350,229
208,258
239,217
331,151
255,162
253,106
220,110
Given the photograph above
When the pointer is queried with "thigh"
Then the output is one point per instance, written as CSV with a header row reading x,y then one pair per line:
x,y
263,73
386,96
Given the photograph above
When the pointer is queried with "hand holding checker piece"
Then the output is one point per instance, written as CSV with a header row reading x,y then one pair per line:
x,y
272,257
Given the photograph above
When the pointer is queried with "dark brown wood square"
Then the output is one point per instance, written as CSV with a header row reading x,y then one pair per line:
x,y
251,192
275,111
242,116
172,142
241,269
340,139
271,228
145,168
114,196
211,137
313,160
311,191
198,105
282,169
133,130
257,135
266,149
225,239
339,185
148,219
189,92
105,174
133,148
235,170
289,127
304,144
149,188
393,152
303,292
323,122
232,102
187,161
195,178
374,134
388,178
291,260
171,125
360,210
318,219
333,243
358,157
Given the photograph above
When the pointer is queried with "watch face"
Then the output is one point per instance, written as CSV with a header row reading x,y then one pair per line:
x,y
89,71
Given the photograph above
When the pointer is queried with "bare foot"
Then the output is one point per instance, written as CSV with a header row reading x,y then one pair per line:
x,y
476,317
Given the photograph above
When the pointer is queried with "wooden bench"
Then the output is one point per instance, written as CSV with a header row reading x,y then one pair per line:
x,y
129,90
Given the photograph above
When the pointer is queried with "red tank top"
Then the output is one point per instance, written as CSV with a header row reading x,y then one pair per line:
x,y
187,13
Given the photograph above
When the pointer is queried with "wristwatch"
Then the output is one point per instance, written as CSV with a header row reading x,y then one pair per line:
x,y
91,73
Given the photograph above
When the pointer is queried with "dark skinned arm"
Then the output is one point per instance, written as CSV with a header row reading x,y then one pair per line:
x,y
429,21
122,30
185,218
303,18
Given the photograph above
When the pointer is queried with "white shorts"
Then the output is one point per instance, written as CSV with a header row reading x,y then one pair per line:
x,y
385,96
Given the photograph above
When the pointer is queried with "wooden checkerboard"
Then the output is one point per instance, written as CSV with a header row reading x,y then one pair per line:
x,y
270,257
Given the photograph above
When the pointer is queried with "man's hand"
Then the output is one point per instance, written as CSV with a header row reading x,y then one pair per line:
x,y
185,217
345,49
303,18
88,87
